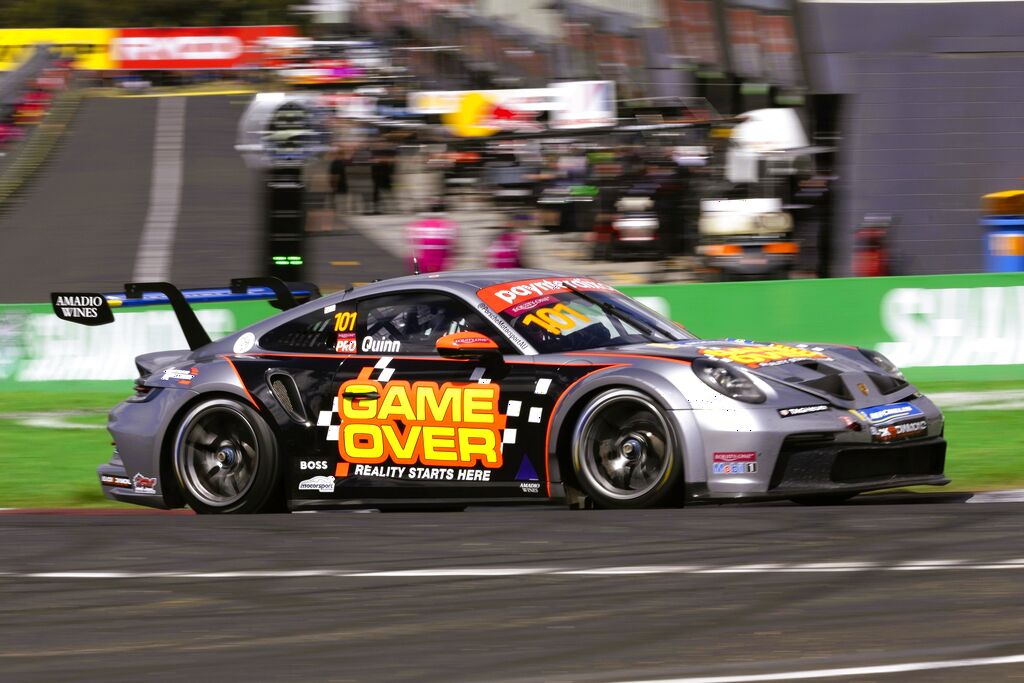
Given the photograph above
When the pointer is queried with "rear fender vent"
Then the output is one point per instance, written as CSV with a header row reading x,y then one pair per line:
x,y
287,394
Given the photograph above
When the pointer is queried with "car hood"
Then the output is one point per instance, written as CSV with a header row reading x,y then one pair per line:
x,y
841,375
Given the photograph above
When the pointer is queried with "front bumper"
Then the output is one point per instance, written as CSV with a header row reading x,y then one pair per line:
x,y
825,451
858,467
816,469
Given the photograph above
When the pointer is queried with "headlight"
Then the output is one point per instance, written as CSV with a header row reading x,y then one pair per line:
x,y
728,380
884,363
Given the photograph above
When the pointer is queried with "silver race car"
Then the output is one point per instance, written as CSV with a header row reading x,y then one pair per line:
x,y
496,386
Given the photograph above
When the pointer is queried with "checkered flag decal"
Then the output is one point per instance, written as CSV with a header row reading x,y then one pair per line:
x,y
331,420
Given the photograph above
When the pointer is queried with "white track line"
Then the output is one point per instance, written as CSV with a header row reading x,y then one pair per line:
x,y
156,244
1011,399
849,671
998,497
493,572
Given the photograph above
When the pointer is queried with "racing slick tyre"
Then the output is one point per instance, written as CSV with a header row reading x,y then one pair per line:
x,y
624,452
226,461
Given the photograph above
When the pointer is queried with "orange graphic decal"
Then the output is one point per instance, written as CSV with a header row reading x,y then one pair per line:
x,y
452,424
465,345
768,354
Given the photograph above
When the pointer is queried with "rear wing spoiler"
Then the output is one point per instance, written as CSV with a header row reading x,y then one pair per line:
x,y
97,309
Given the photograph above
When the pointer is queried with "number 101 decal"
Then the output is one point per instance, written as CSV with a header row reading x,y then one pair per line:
x,y
556,319
345,321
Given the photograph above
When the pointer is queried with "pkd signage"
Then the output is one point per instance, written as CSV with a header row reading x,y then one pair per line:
x,y
217,47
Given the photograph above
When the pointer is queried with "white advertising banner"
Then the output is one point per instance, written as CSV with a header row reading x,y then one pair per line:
x,y
574,104
585,104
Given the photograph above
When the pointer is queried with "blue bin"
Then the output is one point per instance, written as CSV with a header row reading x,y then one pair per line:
x,y
1004,244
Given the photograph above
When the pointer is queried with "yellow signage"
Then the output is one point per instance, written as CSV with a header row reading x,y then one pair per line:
x,y
470,120
89,47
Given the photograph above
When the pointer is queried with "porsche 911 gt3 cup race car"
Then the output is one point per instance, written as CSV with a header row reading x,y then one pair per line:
x,y
496,386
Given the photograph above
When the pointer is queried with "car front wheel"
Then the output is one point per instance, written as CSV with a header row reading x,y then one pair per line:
x,y
226,461
625,454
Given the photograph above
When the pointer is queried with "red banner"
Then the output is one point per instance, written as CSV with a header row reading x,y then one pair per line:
x,y
216,47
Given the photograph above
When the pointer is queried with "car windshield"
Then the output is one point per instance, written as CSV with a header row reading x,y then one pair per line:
x,y
577,314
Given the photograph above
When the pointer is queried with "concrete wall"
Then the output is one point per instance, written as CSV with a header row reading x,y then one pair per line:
x,y
934,118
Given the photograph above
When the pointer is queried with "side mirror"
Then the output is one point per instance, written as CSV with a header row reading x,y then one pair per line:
x,y
467,345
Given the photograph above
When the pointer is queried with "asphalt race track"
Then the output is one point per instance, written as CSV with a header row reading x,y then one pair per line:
x,y
540,594
77,225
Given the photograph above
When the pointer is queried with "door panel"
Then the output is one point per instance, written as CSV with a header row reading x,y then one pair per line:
x,y
433,427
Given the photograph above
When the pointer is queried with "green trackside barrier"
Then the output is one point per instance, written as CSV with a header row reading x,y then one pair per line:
x,y
40,351
936,327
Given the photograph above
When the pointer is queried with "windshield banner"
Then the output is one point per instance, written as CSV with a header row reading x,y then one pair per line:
x,y
507,294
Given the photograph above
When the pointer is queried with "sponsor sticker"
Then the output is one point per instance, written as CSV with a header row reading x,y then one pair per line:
x,y
889,413
245,342
529,486
762,355
850,423
519,309
421,473
322,484
143,484
735,456
470,341
346,342
312,464
503,326
180,376
507,294
802,410
117,482
734,462
734,467
84,309
903,430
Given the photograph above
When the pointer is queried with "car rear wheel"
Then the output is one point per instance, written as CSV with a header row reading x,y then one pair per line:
x,y
225,458
625,453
